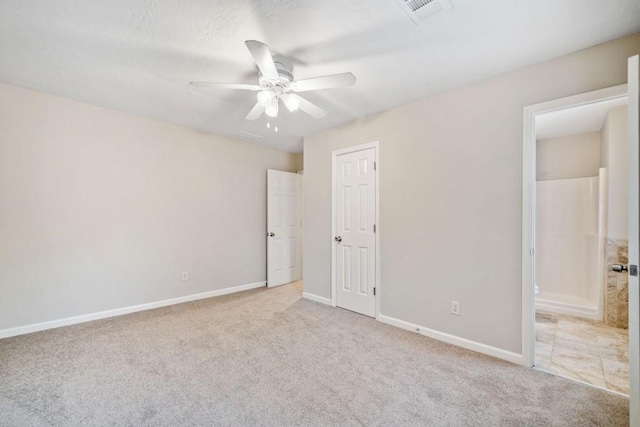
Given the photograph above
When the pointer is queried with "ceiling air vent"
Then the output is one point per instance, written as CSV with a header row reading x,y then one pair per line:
x,y
420,10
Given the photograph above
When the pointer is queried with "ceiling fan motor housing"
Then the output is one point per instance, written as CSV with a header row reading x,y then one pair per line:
x,y
285,77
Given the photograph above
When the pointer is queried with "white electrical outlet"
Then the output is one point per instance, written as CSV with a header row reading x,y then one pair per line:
x,y
455,307
185,276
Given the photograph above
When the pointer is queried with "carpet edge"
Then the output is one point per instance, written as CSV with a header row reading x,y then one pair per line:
x,y
52,324
496,352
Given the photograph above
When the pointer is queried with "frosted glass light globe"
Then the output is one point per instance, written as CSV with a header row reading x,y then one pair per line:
x,y
272,108
265,97
291,102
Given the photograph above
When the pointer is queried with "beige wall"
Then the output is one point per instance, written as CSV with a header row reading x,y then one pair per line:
x,y
299,162
450,195
102,210
575,156
616,161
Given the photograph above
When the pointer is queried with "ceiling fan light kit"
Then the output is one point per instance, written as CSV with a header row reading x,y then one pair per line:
x,y
276,82
272,108
291,102
265,97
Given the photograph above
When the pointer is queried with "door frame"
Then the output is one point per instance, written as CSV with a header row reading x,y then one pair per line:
x,y
529,201
334,157
634,155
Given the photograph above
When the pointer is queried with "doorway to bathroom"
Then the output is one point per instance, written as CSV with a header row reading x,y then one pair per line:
x,y
579,232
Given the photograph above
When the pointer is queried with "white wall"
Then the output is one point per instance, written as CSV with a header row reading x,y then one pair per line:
x,y
575,156
102,210
567,241
451,194
615,159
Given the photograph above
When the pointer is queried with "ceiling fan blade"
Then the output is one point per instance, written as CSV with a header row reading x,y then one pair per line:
x,y
255,112
324,82
263,58
308,107
213,85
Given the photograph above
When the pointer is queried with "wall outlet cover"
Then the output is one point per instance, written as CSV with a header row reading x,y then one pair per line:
x,y
455,307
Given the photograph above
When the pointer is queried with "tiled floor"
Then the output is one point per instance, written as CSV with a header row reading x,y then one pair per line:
x,y
583,349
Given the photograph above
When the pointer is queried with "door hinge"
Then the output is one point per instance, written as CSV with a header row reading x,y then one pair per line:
x,y
374,166
374,228
374,291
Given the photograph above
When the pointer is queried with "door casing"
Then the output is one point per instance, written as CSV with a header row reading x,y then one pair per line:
x,y
633,135
529,202
334,155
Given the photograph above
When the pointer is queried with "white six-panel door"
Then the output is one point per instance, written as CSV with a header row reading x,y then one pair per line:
x,y
355,216
633,86
284,227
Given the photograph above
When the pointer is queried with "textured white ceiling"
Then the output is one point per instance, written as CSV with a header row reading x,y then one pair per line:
x,y
573,121
138,55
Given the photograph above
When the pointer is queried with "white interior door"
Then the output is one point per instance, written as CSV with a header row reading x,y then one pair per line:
x,y
634,241
355,217
284,227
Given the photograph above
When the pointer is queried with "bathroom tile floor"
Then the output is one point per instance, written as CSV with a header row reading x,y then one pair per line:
x,y
583,349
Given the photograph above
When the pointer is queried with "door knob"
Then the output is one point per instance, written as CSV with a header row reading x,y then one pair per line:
x,y
272,234
338,239
619,268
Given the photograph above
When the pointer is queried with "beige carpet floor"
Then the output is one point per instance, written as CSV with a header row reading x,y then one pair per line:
x,y
267,357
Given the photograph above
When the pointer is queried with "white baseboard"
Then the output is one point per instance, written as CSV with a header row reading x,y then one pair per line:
x,y
316,298
452,339
566,308
27,329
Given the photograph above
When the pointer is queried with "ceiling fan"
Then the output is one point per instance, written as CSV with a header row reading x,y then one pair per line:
x,y
276,83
